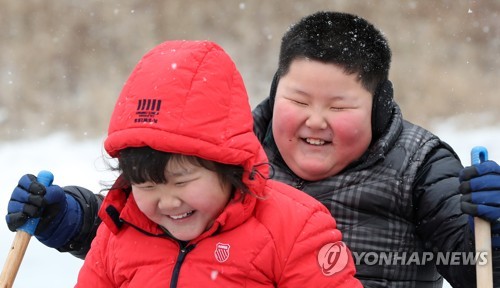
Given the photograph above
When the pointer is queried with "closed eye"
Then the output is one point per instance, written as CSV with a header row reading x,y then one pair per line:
x,y
184,182
338,108
298,102
181,183
145,186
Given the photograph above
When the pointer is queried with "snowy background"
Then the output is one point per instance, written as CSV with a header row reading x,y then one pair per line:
x,y
62,64
82,163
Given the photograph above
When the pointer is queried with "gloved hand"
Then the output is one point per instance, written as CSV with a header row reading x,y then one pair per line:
x,y
480,186
59,213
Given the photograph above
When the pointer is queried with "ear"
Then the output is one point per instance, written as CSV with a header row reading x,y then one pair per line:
x,y
274,87
382,106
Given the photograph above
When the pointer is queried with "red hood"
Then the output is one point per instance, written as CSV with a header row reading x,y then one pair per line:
x,y
188,97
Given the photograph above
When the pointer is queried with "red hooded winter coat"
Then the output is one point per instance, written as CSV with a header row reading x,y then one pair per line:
x,y
187,97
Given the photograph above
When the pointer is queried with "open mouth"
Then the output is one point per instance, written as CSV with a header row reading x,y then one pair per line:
x,y
315,141
181,216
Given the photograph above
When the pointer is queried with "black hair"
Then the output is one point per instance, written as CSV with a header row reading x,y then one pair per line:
x,y
342,39
145,164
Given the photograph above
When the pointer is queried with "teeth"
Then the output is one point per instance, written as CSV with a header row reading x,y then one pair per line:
x,y
180,216
315,141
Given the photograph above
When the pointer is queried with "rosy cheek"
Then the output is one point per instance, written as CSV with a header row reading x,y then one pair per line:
x,y
285,119
144,203
348,130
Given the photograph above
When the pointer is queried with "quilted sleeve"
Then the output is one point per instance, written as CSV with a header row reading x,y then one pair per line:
x,y
318,257
440,222
90,204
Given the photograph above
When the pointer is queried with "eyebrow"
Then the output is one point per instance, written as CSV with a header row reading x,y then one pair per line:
x,y
179,173
297,90
331,97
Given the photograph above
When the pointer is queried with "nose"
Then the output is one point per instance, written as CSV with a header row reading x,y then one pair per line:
x,y
316,120
169,201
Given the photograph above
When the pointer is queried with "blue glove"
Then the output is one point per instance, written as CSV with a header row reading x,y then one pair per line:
x,y
59,213
480,186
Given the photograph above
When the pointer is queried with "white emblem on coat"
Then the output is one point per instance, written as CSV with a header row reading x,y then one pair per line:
x,y
221,252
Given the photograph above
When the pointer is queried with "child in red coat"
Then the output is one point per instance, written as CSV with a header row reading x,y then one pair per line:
x,y
193,205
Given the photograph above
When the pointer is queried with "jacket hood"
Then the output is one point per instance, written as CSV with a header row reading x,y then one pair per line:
x,y
187,97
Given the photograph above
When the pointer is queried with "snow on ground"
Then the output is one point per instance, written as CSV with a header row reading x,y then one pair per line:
x,y
72,163
81,163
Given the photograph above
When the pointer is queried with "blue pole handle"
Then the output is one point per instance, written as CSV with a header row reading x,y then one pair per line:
x,y
482,231
478,154
45,178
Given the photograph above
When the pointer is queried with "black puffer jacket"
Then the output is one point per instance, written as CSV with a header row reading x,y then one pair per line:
x,y
401,196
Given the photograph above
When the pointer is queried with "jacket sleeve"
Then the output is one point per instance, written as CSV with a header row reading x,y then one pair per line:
x,y
319,258
94,272
440,222
90,203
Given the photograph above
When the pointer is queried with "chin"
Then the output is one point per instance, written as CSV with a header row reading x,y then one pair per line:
x,y
313,177
184,237
312,172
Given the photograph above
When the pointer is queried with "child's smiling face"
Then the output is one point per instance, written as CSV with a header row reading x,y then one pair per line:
x,y
188,203
321,119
